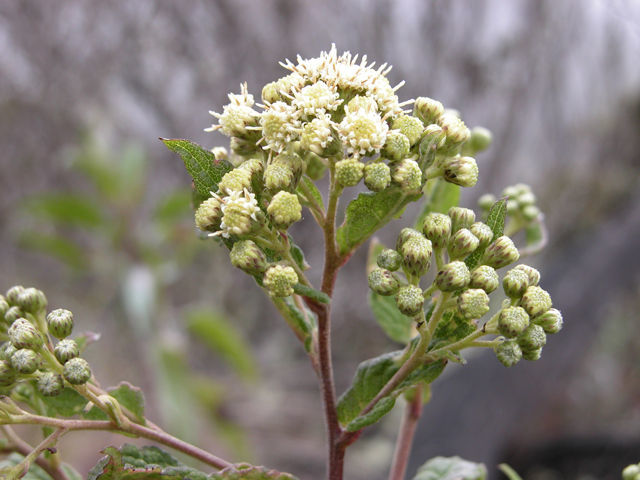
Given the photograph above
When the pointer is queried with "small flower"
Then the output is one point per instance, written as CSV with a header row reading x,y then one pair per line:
x,y
284,210
24,335
237,115
25,361
363,132
281,125
377,176
279,280
317,135
316,99
236,180
239,214
550,321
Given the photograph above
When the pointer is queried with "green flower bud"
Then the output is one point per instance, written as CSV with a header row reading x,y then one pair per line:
x,y
65,350
483,232
453,276
484,277
248,257
349,172
396,146
32,300
455,129
7,374
236,180
209,214
271,93
550,321
461,218
532,355
25,361
462,243
536,301
408,175
416,255
631,472
486,201
473,303
389,259
437,228
532,338
500,253
404,235
462,171
427,109
284,210
512,321
409,126
50,384
432,138
13,314
530,212
515,283
383,282
315,166
525,198
76,371
319,137
279,280
508,353
532,273
4,306
255,167
60,322
410,300
24,335
7,350
511,191
480,139
377,176
278,176
13,295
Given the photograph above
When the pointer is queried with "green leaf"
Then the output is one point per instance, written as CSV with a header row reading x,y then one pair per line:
x,y
368,213
311,293
423,374
298,255
65,208
397,326
381,408
451,328
205,170
495,221
56,246
245,471
222,337
451,468
308,187
67,404
509,472
439,198
297,316
128,396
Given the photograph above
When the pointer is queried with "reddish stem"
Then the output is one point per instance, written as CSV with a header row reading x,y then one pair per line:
x,y
405,436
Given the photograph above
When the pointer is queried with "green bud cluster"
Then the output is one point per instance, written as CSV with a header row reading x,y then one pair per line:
x,y
521,204
279,280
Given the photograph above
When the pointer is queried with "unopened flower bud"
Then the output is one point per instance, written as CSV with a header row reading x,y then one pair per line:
x,y
32,300
7,373
279,280
550,321
515,283
453,276
271,92
24,335
500,253
284,210
480,139
60,323
511,191
76,371
278,176
255,167
404,235
461,218
533,337
462,171
65,350
532,273
530,212
416,255
389,259
512,321
13,294
397,146
437,228
7,350
236,180
377,176
508,353
50,384
25,361
462,243
473,303
209,214
410,300
484,277
427,109
486,201
12,315
383,282
349,172
409,126
433,138
536,301
408,175
455,129
248,257
483,232
4,306
532,355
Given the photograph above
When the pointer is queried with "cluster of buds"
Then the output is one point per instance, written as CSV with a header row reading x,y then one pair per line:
x,y
521,204
37,348
526,317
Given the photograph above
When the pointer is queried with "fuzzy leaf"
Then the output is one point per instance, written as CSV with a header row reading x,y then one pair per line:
x,y
298,317
495,221
298,255
451,328
423,374
67,404
311,293
245,471
65,208
381,408
451,468
440,197
368,213
205,170
397,326
307,185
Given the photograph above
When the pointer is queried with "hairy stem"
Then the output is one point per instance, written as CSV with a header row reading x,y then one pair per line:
x,y
413,410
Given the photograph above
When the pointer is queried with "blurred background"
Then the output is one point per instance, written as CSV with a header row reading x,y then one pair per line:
x,y
95,211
